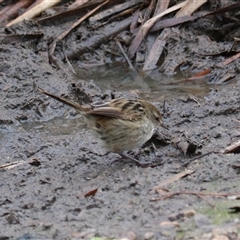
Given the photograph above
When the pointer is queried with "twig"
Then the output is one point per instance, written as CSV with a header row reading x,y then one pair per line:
x,y
11,165
198,157
146,27
43,5
231,59
125,55
173,178
205,199
65,33
194,193
134,72
68,62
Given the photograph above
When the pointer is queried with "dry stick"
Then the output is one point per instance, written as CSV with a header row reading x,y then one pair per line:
x,y
198,157
161,6
83,3
205,199
160,42
134,23
194,193
11,165
68,62
16,38
156,51
18,163
68,12
103,34
190,8
173,178
114,10
146,27
233,148
64,34
35,3
6,12
12,10
45,4
157,48
149,11
127,12
171,22
125,55
134,71
231,59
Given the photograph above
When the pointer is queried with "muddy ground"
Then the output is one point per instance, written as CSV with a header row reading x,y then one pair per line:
x,y
46,195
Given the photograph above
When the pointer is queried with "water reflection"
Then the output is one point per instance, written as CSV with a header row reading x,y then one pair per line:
x,y
155,85
57,126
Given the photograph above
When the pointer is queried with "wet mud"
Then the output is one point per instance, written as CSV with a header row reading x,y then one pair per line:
x,y
65,185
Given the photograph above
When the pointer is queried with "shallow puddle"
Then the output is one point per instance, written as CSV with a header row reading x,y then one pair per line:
x,y
155,86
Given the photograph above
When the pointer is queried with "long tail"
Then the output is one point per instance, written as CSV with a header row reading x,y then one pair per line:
x,y
64,100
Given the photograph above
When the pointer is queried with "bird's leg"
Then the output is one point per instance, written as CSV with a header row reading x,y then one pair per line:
x,y
143,165
126,156
139,164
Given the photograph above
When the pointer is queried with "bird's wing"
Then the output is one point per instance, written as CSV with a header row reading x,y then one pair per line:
x,y
108,112
118,112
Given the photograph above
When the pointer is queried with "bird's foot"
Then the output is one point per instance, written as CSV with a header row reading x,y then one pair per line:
x,y
126,157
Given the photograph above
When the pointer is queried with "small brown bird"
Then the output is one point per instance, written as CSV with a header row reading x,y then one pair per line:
x,y
120,124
